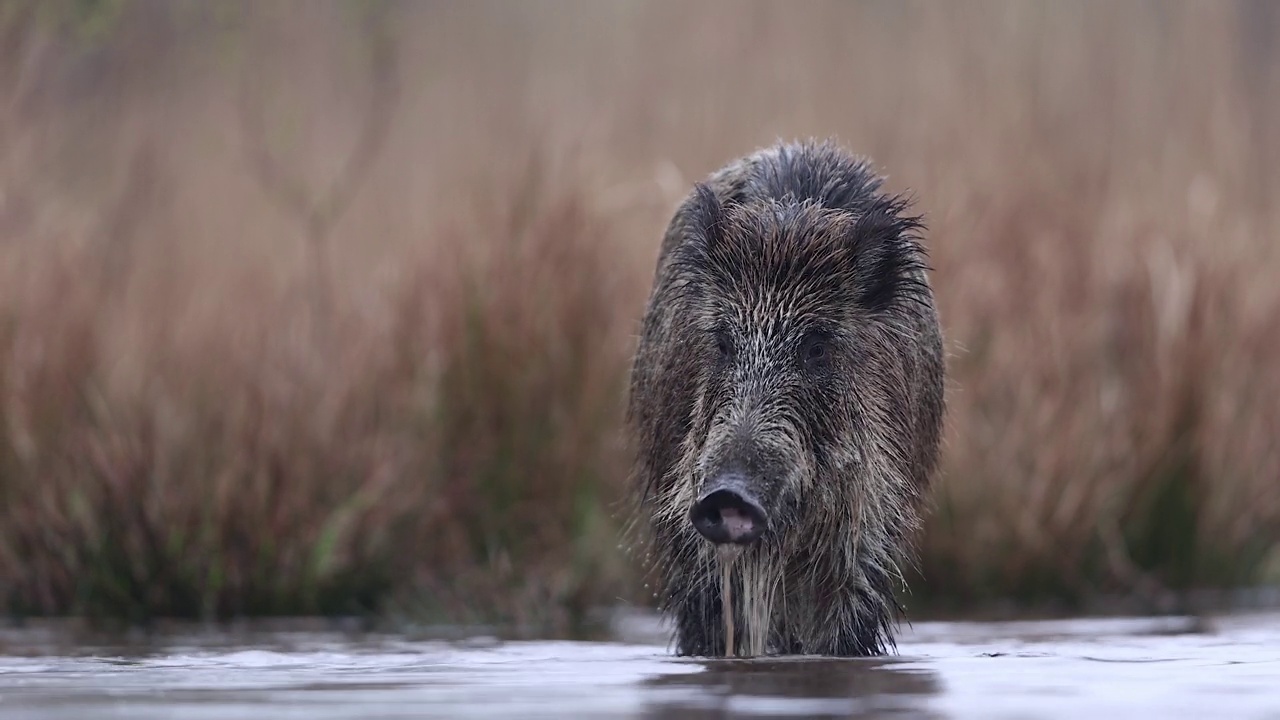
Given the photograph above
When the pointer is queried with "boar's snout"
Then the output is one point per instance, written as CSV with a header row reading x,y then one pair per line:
x,y
728,512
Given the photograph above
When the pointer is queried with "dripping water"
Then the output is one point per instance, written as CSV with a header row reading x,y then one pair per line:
x,y
727,554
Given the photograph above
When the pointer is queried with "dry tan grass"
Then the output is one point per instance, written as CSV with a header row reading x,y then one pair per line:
x,y
1097,177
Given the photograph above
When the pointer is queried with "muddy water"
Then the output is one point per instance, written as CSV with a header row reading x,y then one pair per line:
x,y
1158,668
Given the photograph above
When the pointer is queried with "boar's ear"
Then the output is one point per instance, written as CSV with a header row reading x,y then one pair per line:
x,y
888,255
706,216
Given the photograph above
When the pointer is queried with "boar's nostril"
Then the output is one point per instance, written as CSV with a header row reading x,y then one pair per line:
x,y
726,516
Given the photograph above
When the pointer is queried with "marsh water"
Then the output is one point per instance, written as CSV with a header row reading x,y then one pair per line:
x,y
1225,666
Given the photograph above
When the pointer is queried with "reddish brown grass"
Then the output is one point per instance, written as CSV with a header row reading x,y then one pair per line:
x,y
177,440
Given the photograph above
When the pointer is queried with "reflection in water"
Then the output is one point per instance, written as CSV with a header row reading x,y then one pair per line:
x,y
799,687
1085,668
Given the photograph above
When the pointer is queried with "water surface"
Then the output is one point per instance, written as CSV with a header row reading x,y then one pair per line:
x,y
1160,668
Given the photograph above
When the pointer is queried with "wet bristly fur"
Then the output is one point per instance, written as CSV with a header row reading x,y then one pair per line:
x,y
790,334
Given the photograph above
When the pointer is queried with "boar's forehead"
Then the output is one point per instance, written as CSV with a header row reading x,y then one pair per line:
x,y
780,267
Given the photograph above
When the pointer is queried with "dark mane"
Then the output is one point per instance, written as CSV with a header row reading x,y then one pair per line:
x,y
818,172
884,235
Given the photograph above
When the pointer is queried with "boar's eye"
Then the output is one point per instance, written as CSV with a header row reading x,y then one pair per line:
x,y
815,351
724,345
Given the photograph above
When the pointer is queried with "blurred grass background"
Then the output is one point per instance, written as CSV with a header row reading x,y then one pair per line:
x,y
327,307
